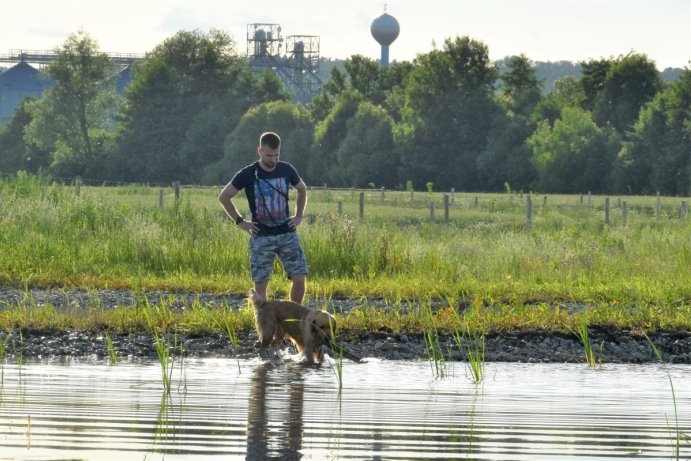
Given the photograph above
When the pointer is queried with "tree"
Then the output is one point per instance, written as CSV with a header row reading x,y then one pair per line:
x,y
186,96
323,165
616,90
574,155
520,86
567,92
291,121
366,153
506,158
15,154
657,156
631,82
449,110
74,118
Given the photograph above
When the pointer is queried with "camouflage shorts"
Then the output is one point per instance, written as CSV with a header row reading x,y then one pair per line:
x,y
263,252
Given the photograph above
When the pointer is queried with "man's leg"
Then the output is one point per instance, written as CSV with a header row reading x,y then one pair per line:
x,y
260,288
298,287
262,255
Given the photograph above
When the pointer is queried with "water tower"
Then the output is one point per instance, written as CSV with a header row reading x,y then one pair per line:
x,y
385,30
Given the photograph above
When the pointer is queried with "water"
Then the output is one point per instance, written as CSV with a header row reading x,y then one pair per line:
x,y
387,410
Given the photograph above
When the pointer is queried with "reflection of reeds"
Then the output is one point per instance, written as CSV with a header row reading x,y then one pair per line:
x,y
337,351
678,435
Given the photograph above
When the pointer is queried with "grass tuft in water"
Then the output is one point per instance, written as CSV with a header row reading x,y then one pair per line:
x,y
433,347
112,353
581,332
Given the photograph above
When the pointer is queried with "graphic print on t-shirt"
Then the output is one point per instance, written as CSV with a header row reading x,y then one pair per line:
x,y
270,199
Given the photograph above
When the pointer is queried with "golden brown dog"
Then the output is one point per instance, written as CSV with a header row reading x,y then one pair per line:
x,y
308,329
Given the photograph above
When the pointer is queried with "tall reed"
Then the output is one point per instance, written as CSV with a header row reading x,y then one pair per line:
x,y
581,332
435,353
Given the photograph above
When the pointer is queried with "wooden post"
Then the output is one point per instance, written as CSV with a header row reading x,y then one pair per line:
x,y
382,195
683,210
590,201
160,199
77,185
453,195
544,201
352,192
431,211
476,202
362,205
340,207
625,212
529,213
446,208
176,187
606,210
658,205
581,199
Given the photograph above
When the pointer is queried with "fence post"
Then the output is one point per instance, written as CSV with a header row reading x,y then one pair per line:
x,y
176,187
581,200
340,207
544,201
446,208
160,199
382,195
590,201
529,213
362,205
77,185
658,205
606,210
625,211
683,209
431,211
453,195
476,202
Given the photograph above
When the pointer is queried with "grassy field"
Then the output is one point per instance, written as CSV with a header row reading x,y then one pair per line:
x,y
633,274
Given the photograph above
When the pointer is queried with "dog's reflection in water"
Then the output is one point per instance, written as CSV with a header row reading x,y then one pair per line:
x,y
273,432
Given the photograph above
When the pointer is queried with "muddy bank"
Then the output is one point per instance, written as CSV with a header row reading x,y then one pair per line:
x,y
611,345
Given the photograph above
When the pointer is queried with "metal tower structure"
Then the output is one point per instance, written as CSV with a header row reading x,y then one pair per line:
x,y
297,66
43,57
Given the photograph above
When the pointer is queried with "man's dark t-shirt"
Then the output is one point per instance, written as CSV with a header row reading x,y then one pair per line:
x,y
267,195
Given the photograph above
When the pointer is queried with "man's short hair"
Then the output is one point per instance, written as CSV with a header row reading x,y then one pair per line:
x,y
270,139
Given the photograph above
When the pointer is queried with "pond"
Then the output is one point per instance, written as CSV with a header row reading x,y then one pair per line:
x,y
249,409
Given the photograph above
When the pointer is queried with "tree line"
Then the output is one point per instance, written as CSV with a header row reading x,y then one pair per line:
x,y
194,111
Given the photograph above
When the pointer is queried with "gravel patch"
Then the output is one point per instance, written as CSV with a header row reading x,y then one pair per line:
x,y
611,345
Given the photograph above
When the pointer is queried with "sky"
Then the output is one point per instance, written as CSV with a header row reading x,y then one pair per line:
x,y
542,30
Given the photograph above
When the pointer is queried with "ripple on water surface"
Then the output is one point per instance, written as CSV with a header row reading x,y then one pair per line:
x,y
386,410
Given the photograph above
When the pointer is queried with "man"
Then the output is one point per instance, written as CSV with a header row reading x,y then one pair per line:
x,y
266,183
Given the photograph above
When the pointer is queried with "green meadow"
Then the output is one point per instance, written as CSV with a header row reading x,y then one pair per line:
x,y
633,272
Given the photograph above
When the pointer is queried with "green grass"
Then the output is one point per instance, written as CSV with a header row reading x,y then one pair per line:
x,y
633,276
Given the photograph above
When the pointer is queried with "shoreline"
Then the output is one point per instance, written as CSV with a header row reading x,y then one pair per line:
x,y
610,344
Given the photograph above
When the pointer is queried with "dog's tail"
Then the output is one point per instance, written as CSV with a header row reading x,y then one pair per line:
x,y
255,298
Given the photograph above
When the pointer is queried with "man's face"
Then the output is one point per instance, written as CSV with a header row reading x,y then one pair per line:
x,y
269,157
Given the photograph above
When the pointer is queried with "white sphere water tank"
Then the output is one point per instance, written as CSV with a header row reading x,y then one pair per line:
x,y
385,29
